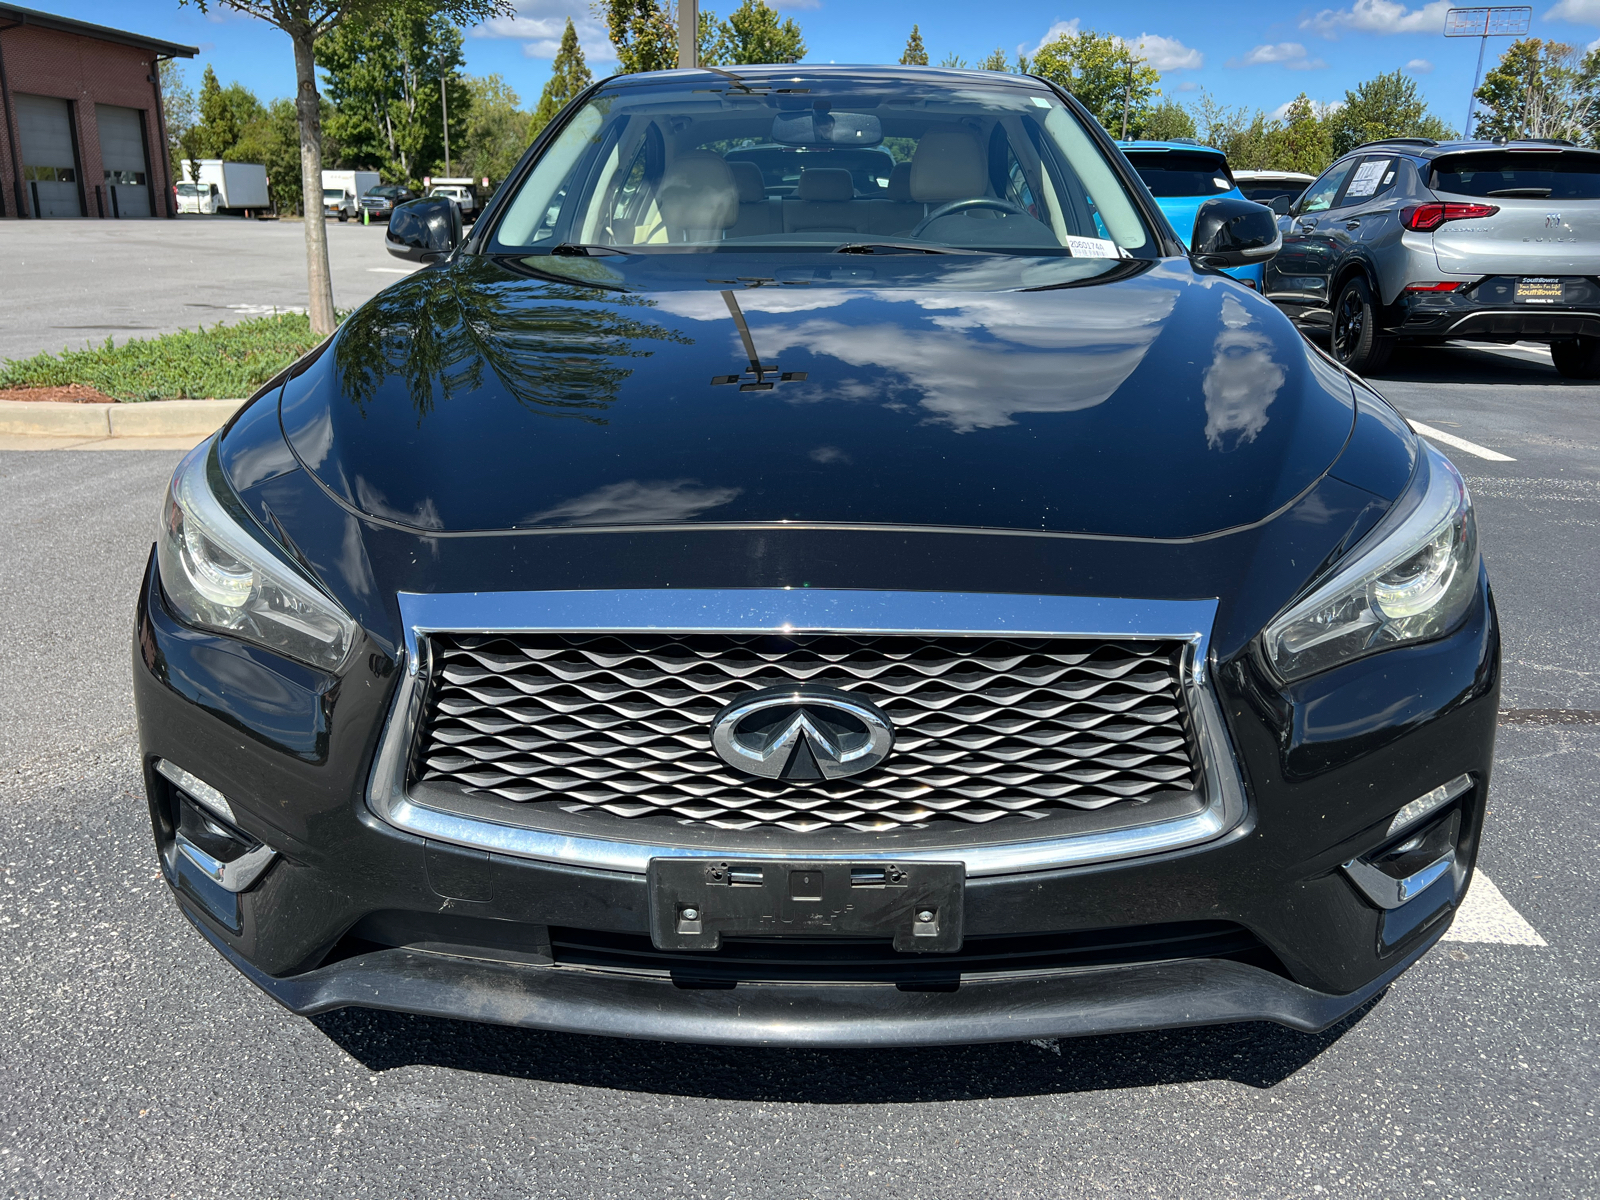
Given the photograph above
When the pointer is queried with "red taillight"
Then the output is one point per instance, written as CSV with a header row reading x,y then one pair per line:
x,y
1450,286
1425,218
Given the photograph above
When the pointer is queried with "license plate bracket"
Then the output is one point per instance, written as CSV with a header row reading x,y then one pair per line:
x,y
694,902
1539,289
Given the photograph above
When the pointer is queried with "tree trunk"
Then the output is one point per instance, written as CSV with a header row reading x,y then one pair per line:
x,y
319,280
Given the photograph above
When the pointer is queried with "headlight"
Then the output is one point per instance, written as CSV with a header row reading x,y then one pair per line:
x,y
1414,582
218,575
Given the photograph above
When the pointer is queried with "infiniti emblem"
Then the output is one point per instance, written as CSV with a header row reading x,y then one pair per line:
x,y
802,732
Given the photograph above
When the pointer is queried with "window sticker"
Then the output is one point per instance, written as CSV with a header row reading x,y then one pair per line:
x,y
1365,181
1087,247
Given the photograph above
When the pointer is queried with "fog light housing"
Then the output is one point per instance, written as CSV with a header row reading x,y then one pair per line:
x,y
209,858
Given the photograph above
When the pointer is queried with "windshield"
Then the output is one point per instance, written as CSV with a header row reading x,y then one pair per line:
x,y
819,164
332,194
1535,176
1173,173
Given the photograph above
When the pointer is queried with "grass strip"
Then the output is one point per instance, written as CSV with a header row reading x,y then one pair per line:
x,y
224,362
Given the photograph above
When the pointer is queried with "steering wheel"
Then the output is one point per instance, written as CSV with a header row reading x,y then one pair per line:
x,y
955,206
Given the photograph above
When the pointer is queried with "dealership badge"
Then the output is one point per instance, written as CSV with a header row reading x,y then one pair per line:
x,y
802,733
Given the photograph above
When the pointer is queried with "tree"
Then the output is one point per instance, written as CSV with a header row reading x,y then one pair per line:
x,y
225,114
273,139
1541,89
384,77
1103,73
1301,140
1166,121
498,131
1239,133
306,22
1384,107
178,109
569,75
915,54
753,33
643,32
952,60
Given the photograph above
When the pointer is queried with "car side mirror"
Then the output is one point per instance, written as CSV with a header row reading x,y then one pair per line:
x,y
1234,233
424,230
1281,205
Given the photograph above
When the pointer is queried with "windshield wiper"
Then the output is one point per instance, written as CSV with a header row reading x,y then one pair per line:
x,y
579,250
894,248
1533,193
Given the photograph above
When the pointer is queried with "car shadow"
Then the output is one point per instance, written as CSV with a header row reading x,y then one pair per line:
x,y
1255,1054
1470,364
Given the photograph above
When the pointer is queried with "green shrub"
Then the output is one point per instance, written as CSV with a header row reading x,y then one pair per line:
x,y
223,362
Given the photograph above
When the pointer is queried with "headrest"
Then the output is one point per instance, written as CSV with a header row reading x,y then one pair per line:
x,y
747,176
948,165
900,183
698,192
826,185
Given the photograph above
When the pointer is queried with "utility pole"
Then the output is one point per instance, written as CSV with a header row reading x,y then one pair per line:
x,y
688,34
444,107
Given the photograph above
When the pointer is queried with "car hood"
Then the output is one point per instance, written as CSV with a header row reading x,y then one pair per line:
x,y
1120,399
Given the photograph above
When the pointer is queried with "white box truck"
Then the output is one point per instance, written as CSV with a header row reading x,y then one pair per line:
x,y
224,187
342,192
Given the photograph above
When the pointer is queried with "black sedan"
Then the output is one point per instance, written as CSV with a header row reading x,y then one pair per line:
x,y
949,612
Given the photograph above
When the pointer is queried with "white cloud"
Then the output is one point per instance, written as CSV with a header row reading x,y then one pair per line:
x,y
1383,16
1188,85
1284,54
1579,12
539,24
1163,53
1419,66
1317,107
1169,54
1059,29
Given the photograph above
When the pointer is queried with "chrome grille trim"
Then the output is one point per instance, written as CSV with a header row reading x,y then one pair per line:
x,y
808,611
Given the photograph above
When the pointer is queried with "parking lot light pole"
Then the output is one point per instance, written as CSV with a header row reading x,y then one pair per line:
x,y
688,34
1483,24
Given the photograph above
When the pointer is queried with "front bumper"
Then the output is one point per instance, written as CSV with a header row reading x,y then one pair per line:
x,y
357,912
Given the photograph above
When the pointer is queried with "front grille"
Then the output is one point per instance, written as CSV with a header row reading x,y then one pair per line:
x,y
985,727
846,960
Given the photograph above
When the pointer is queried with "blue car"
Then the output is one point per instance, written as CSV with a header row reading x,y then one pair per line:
x,y
1182,176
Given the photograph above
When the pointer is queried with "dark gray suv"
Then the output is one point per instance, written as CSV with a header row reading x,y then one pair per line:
x,y
1428,241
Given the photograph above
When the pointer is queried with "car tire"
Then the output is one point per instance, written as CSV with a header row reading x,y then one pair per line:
x,y
343,217
1577,359
1354,337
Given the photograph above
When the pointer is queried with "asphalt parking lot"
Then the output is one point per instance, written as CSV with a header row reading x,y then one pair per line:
x,y
137,1063
85,281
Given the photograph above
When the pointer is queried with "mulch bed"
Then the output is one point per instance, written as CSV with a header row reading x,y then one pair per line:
x,y
72,393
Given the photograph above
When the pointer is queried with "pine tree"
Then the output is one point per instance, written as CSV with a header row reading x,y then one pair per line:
x,y
995,62
916,55
569,75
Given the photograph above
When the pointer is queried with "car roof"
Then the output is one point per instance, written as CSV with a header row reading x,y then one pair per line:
x,y
773,75
1186,147
1289,176
1428,148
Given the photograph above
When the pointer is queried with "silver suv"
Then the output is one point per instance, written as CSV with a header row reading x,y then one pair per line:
x,y
1431,241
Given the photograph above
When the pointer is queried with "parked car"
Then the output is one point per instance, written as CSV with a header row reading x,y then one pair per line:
x,y
336,202
688,611
381,200
463,193
1432,241
1276,189
1182,176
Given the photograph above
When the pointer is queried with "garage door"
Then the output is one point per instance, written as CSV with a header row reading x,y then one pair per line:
x,y
122,153
49,167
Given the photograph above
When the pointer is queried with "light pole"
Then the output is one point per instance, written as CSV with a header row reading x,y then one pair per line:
x,y
688,34
1483,24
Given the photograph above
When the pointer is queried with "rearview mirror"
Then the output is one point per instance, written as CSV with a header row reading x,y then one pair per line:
x,y
424,230
1281,205
827,129
1234,233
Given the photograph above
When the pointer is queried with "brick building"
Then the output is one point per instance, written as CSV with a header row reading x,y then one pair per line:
x,y
82,132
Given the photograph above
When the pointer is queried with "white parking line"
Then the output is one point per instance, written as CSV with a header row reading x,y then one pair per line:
x,y
1450,439
1487,916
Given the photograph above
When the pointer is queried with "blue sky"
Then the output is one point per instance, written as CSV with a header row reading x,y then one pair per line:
x,y
1261,55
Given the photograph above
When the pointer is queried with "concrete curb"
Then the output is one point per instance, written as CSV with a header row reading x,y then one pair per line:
x,y
154,418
